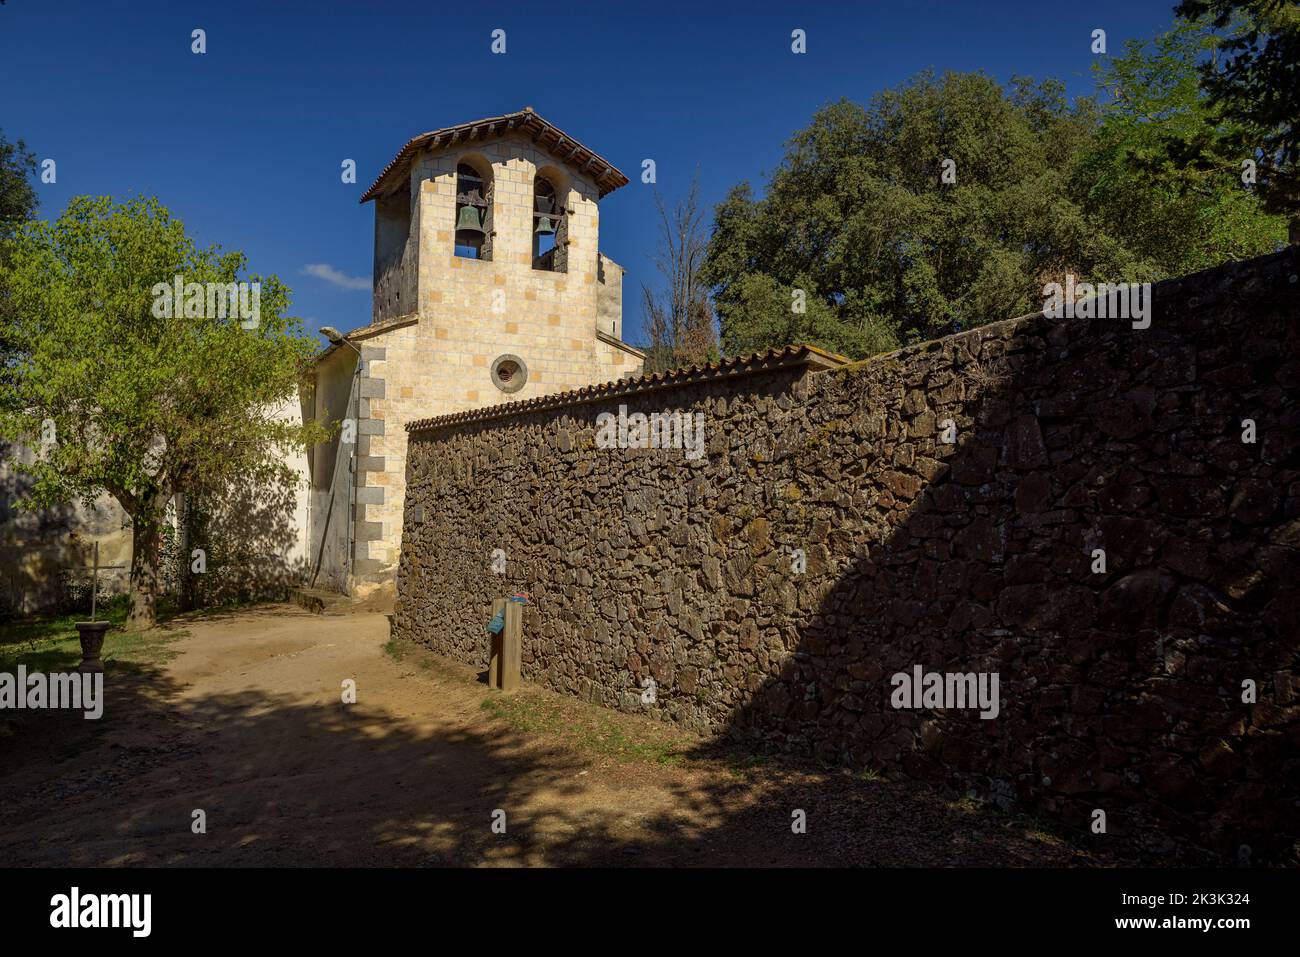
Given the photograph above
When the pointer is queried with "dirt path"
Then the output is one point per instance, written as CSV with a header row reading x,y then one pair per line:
x,y
245,722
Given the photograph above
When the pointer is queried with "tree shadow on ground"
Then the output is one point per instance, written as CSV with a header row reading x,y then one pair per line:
x,y
982,567
288,783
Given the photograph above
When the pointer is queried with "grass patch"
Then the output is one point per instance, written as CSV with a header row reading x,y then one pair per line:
x,y
588,728
42,629
746,753
50,643
409,653
581,726
113,609
57,652
525,713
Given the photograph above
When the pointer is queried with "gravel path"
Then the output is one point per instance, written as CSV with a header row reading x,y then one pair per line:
x,y
245,722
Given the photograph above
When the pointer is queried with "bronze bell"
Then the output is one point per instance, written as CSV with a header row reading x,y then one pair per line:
x,y
469,220
544,226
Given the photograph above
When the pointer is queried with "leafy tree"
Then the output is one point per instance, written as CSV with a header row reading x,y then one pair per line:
x,y
1255,81
942,204
17,197
17,202
950,202
142,405
1161,171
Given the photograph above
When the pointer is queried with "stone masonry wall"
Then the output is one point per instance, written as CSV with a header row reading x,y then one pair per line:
x,y
1124,690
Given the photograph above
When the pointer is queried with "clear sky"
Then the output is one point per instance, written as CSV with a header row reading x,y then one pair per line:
x,y
244,143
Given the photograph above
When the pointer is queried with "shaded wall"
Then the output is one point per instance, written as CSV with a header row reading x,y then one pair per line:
x,y
1120,691
46,554
253,532
331,399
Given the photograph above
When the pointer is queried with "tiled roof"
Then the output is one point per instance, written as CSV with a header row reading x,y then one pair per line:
x,y
545,134
785,357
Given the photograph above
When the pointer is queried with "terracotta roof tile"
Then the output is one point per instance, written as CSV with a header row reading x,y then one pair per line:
x,y
788,356
547,136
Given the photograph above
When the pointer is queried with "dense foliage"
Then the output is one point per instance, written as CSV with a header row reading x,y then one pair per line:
x,y
951,202
119,398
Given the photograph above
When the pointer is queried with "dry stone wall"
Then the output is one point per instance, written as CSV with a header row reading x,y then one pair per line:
x,y
830,538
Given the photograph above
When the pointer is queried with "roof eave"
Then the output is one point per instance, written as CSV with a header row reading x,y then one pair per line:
x,y
789,357
607,179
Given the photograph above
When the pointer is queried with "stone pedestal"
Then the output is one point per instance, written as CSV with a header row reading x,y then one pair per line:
x,y
92,642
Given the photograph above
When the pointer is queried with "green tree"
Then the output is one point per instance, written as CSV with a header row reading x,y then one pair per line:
x,y
950,202
17,197
1254,79
1162,171
943,204
17,203
140,403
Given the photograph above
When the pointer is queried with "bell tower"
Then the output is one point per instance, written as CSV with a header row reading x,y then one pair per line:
x,y
489,287
488,233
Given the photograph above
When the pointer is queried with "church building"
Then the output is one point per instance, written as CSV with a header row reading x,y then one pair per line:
x,y
489,287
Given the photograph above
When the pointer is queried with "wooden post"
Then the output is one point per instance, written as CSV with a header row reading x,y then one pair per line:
x,y
511,647
495,648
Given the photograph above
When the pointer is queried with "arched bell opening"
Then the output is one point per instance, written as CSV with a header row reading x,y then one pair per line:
x,y
550,221
473,208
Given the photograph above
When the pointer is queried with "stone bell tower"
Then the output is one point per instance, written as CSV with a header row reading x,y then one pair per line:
x,y
489,232
489,287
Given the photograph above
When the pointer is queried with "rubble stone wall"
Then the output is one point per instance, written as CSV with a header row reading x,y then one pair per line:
x,y
832,537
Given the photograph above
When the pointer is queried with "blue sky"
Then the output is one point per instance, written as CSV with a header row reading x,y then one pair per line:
x,y
244,143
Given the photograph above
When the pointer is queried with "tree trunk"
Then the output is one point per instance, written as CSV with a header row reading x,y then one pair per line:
x,y
146,541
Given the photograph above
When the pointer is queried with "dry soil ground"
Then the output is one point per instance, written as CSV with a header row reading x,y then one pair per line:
x,y
240,715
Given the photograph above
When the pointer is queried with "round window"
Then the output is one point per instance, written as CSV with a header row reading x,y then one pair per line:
x,y
509,373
